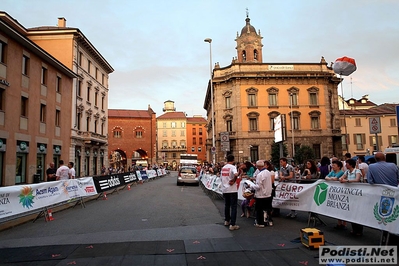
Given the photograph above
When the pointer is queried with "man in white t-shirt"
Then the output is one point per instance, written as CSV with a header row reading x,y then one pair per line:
x,y
229,175
62,171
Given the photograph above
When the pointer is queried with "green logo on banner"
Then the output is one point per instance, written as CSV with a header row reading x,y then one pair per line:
x,y
320,193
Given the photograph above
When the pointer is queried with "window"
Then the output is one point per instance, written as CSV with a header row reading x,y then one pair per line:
x,y
102,79
3,52
87,124
194,141
78,121
200,131
193,149
253,124
251,100
44,76
102,102
194,131
2,98
88,66
79,89
317,150
88,93
95,125
272,115
95,98
102,129
312,98
139,134
253,121
24,106
315,123
164,144
164,133
294,122
293,99
96,73
58,85
173,133
174,144
182,133
80,58
227,101
314,120
25,65
229,125
359,141
392,122
272,100
173,124
199,149
42,113
182,144
374,143
183,124
342,120
252,94
345,142
57,118
200,141
358,122
117,133
164,124
393,140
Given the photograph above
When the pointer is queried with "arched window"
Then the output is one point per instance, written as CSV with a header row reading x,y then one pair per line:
x,y
252,96
272,115
313,96
117,132
253,118
314,119
273,93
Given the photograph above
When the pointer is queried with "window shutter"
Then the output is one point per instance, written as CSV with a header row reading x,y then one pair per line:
x,y
380,141
348,139
371,140
363,138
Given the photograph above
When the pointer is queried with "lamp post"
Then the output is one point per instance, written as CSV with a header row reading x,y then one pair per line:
x,y
292,125
209,40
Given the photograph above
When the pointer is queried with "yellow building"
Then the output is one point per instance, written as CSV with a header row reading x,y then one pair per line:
x,y
355,125
248,94
89,126
35,107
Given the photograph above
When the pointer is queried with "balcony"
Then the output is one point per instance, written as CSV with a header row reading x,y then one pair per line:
x,y
94,138
177,148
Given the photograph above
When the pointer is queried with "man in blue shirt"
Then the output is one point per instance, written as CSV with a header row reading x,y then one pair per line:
x,y
382,172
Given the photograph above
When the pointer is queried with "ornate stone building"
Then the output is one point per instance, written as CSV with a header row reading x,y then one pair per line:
x,y
89,125
249,94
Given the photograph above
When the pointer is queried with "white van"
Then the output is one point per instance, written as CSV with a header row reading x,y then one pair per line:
x,y
392,155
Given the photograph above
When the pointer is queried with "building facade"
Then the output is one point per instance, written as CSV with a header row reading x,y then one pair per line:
x,y
248,94
132,138
196,137
356,125
89,125
35,106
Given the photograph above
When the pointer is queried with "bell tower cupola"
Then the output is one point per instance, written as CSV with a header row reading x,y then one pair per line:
x,y
249,44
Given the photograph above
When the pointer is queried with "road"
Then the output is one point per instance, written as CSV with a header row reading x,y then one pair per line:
x,y
184,219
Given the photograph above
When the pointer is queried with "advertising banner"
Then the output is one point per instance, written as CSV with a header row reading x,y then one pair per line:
x,y
19,199
375,206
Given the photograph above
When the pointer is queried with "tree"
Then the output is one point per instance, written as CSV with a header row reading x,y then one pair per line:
x,y
276,153
304,153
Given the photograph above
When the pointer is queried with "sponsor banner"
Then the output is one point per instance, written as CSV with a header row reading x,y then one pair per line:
x,y
107,182
22,198
129,177
143,175
375,206
151,173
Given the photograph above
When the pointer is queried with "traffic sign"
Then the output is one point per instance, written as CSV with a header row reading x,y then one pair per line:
x,y
213,150
375,125
224,136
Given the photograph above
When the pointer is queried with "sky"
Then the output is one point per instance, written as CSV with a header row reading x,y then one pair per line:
x,y
158,53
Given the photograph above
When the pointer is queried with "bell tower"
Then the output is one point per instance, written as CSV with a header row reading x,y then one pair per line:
x,y
249,44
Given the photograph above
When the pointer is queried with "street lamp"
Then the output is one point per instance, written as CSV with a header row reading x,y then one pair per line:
x,y
292,125
209,40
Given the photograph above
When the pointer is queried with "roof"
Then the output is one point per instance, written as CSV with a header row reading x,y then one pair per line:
x,y
173,115
196,120
129,113
383,109
248,28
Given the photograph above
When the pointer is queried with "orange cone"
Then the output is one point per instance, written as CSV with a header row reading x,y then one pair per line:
x,y
128,187
49,215
105,196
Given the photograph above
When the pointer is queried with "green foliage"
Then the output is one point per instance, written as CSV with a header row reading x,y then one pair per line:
x,y
304,153
276,154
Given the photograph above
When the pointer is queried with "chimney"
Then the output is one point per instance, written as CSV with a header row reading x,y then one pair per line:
x,y
61,22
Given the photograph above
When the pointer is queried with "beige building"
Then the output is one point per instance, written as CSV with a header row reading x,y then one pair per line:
x,y
35,106
356,118
89,125
248,94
